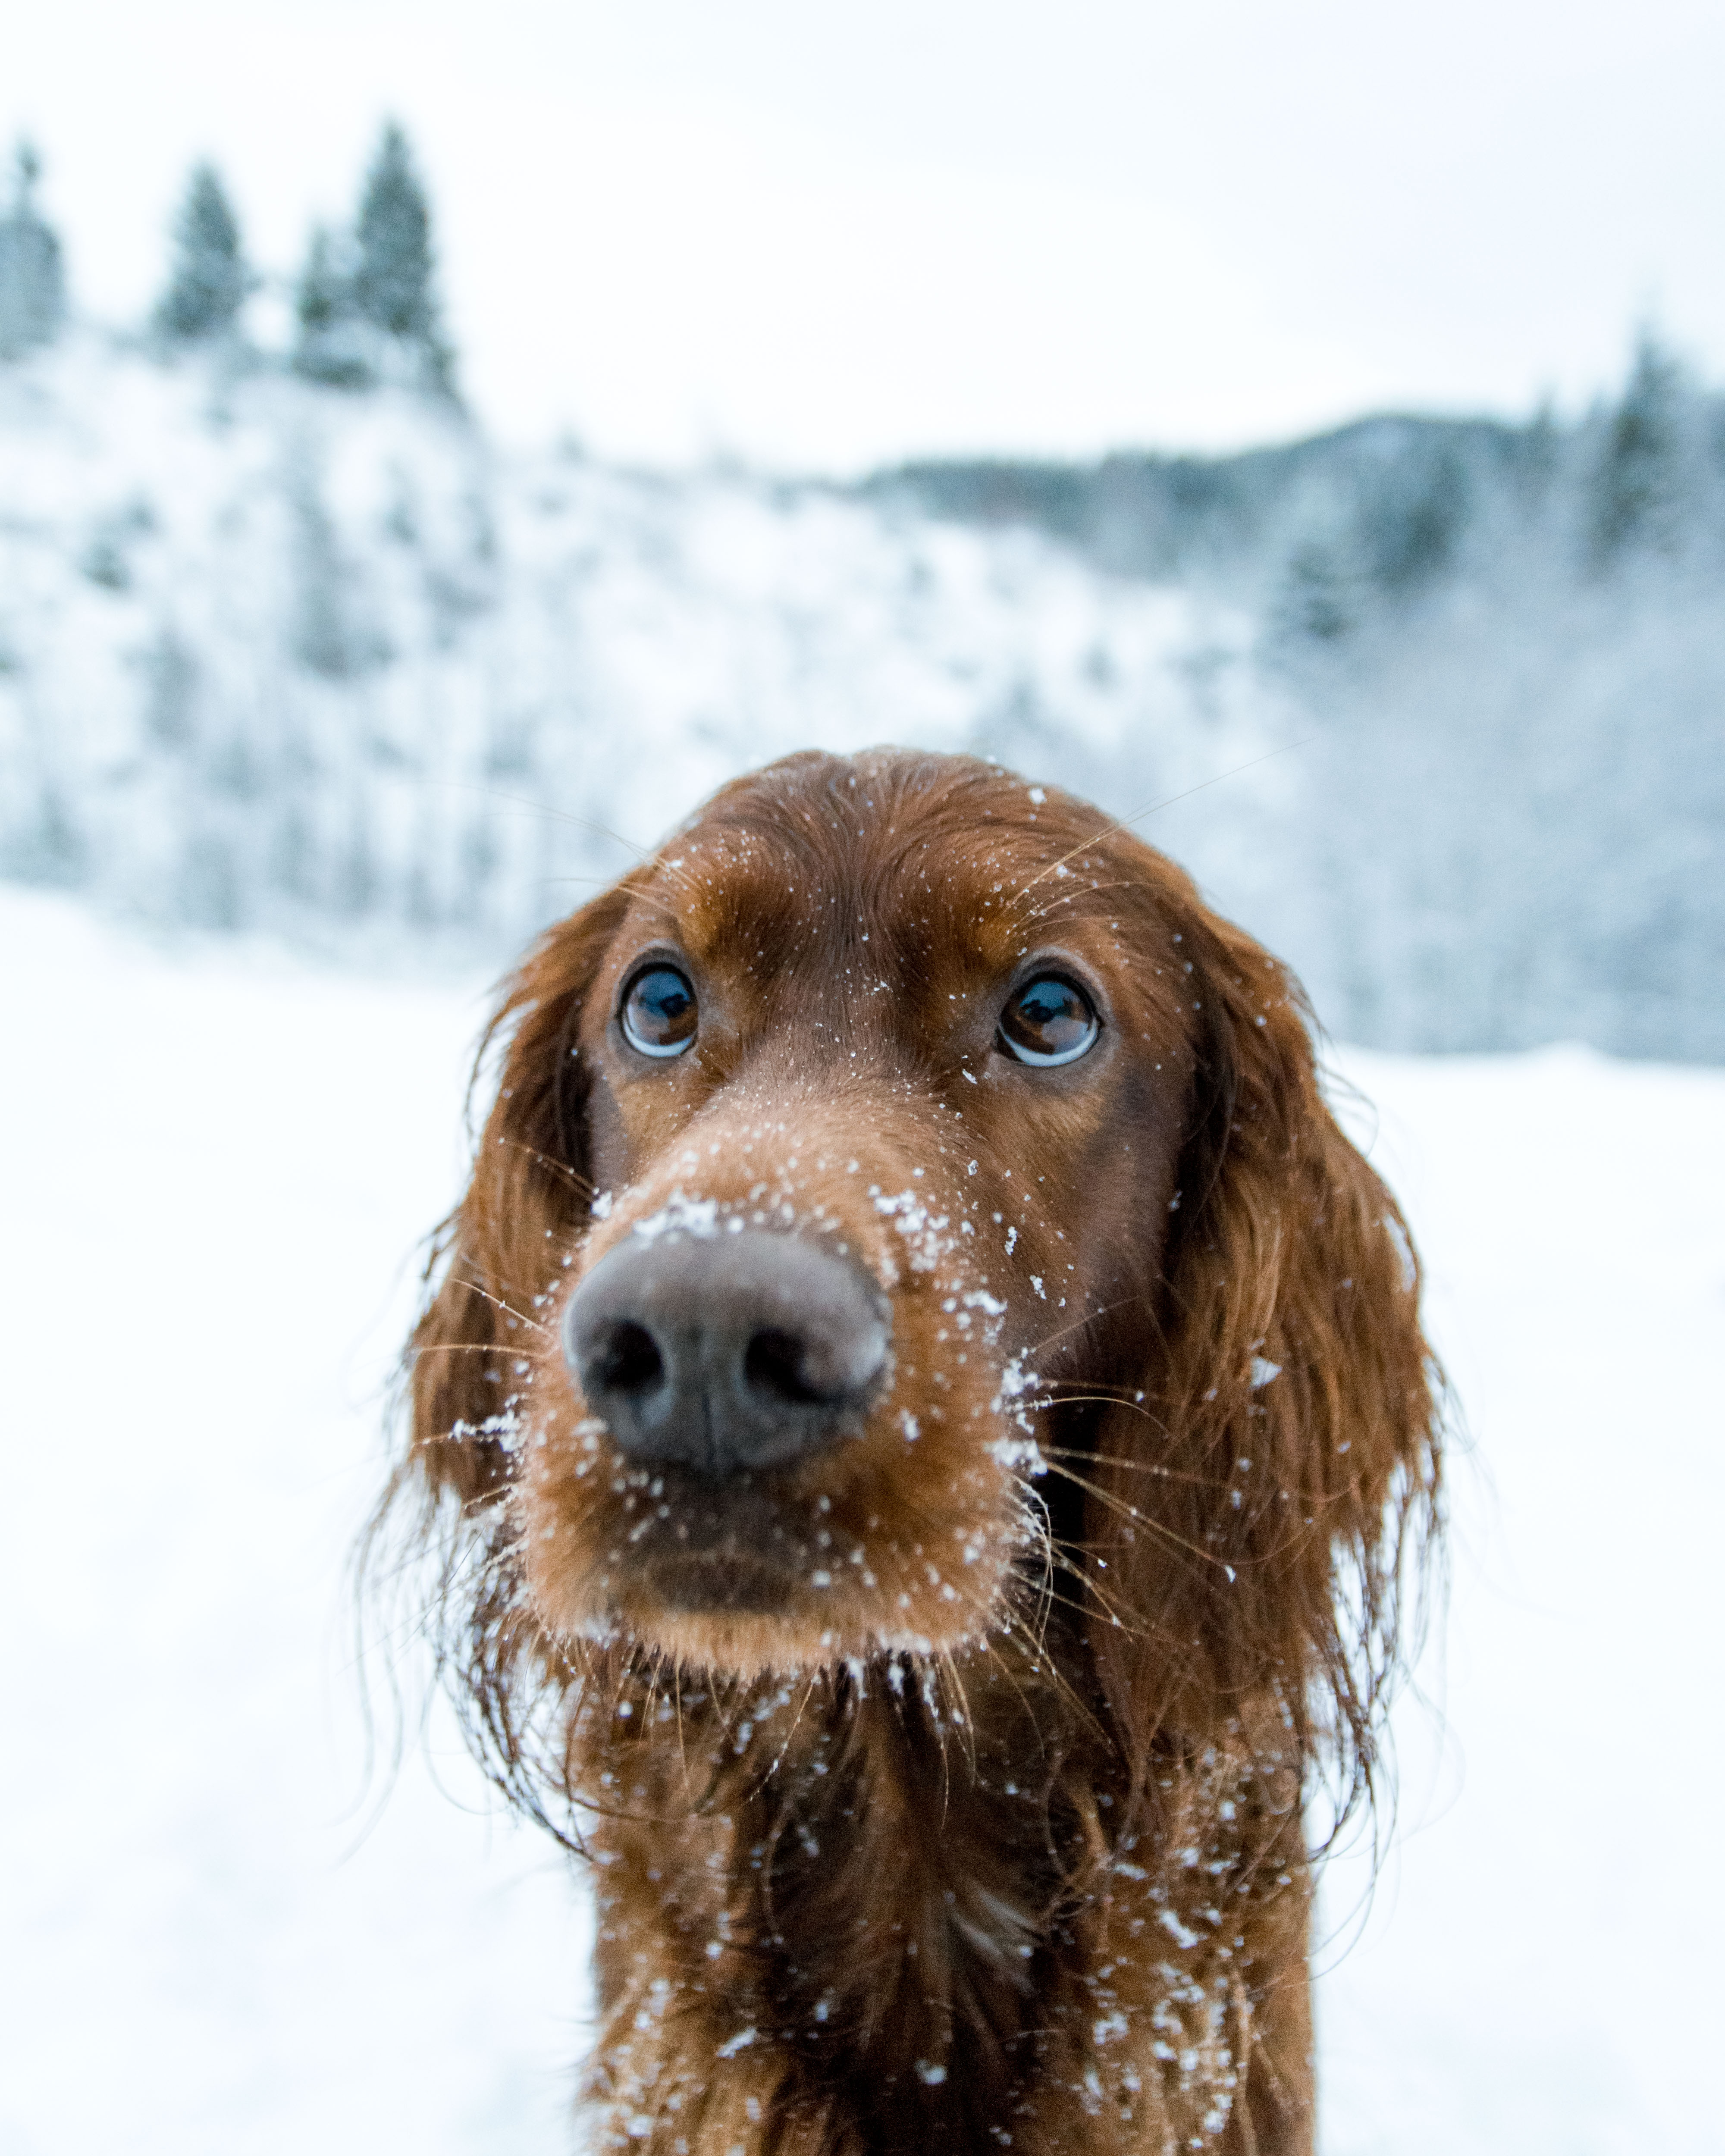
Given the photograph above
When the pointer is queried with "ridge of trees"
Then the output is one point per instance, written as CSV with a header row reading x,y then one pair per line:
x,y
1342,529
366,306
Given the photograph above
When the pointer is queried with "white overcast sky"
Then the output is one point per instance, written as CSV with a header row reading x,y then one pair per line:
x,y
824,236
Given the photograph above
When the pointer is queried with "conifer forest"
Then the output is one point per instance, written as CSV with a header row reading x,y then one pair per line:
x,y
288,641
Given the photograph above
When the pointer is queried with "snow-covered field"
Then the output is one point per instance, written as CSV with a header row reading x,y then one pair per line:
x,y
216,1162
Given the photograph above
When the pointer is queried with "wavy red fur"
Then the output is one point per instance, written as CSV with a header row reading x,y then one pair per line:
x,y
944,1785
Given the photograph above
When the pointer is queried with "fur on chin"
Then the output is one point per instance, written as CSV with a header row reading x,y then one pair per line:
x,y
747,1645
735,1600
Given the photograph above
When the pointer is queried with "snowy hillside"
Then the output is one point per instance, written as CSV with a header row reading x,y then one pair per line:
x,y
215,1946
273,653
1504,646
1440,706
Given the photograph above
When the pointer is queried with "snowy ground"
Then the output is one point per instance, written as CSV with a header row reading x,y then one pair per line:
x,y
213,1165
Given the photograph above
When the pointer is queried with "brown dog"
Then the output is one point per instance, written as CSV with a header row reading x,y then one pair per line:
x,y
929,1426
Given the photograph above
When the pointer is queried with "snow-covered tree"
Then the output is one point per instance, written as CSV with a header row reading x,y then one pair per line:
x,y
1636,495
33,292
331,343
1316,598
1410,521
392,283
209,282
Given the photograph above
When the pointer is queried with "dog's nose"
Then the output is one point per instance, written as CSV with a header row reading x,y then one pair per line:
x,y
728,1352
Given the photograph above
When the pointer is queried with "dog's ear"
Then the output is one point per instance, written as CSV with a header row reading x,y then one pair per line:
x,y
1288,1467
528,1194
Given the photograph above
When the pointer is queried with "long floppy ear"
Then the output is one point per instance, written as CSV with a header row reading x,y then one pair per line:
x,y
1287,1475
499,1250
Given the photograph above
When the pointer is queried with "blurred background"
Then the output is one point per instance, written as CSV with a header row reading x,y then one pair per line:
x,y
436,448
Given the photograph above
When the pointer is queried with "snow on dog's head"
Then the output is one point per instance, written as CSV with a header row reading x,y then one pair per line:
x,y
772,1438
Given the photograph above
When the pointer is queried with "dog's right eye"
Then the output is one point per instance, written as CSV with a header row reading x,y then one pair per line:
x,y
660,1013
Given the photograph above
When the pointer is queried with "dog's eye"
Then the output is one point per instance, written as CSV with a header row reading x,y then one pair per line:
x,y
1049,1021
659,1012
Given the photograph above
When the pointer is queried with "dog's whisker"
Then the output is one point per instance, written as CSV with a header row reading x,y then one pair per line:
x,y
1066,1395
1067,904
465,1347
553,1167
1157,1468
550,814
520,1317
1155,808
1062,1390
778,1759
1131,1511
1083,1606
1085,1317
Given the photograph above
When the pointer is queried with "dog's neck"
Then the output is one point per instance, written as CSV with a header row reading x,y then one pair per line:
x,y
897,1904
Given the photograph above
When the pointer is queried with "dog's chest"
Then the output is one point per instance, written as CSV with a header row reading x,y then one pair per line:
x,y
840,1947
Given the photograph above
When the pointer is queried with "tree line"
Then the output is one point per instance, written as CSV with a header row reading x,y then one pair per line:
x,y
365,304
1335,535
1501,649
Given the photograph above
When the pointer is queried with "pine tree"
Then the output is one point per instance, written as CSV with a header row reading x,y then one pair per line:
x,y
393,279
1314,603
1412,514
329,345
210,280
33,293
1639,485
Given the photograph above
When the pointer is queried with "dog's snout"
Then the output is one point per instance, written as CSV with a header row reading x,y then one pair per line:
x,y
726,1352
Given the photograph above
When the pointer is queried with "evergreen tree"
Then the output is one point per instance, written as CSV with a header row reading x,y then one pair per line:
x,y
329,345
393,278
33,293
1314,603
1638,484
1411,517
210,280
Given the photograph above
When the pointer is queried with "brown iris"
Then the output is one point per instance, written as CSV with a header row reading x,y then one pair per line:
x,y
1049,1020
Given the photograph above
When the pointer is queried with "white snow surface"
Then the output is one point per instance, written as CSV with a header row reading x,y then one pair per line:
x,y
216,1162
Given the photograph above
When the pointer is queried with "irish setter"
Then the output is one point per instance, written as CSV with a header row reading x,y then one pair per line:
x,y
926,1421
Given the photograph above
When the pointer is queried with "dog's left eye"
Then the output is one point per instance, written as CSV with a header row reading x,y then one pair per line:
x,y
659,1015
1049,1020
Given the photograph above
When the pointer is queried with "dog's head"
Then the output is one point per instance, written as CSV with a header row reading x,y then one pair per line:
x,y
905,1202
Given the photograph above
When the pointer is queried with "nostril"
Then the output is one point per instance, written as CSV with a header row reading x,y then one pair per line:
x,y
729,1352
629,1360
775,1362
